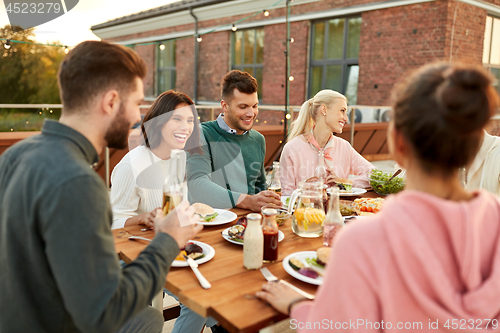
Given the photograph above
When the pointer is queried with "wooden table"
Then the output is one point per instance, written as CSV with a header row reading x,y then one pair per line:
x,y
231,299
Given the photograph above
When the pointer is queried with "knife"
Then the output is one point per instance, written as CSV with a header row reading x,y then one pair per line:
x,y
194,266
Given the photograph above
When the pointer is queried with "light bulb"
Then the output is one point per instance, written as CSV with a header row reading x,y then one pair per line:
x,y
162,46
291,78
292,40
7,44
288,116
266,13
234,27
199,39
66,50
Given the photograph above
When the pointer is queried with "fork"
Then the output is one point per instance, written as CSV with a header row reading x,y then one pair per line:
x,y
271,278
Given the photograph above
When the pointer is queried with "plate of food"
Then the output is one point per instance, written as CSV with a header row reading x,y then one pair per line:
x,y
236,234
352,192
307,266
368,206
209,216
200,252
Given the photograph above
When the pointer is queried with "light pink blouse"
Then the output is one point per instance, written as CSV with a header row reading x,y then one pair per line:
x,y
299,159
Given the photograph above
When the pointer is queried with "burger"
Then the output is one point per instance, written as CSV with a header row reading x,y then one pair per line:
x,y
344,184
205,212
323,255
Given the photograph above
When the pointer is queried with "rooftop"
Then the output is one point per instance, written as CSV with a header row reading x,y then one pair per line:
x,y
173,7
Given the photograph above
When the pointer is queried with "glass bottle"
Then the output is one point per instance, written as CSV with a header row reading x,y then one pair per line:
x,y
333,221
320,170
275,184
173,187
253,243
270,231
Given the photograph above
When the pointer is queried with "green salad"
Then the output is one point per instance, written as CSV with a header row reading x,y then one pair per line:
x,y
378,181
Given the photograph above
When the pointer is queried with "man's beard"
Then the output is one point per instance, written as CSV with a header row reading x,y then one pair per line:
x,y
117,133
235,121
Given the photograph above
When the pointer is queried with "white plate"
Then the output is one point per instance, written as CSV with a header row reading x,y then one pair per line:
x,y
225,235
208,251
225,216
302,257
355,192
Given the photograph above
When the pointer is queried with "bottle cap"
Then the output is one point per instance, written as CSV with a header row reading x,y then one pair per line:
x,y
269,211
254,216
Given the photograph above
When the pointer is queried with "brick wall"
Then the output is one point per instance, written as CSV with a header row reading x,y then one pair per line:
x,y
147,52
184,56
213,64
393,42
465,33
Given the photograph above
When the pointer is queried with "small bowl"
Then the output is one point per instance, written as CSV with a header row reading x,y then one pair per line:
x,y
282,217
347,208
396,184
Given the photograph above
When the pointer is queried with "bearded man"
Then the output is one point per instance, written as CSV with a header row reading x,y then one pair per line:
x,y
60,271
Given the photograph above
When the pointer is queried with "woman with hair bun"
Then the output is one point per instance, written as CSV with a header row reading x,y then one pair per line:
x,y
311,133
430,259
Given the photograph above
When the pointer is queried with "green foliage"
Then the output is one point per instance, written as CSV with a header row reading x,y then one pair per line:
x,y
28,75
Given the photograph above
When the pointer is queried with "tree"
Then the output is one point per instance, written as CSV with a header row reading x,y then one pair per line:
x,y
28,72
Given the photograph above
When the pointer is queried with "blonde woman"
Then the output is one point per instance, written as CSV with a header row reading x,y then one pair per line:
x,y
312,132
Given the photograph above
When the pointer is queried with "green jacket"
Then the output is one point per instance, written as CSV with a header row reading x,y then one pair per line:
x,y
230,165
59,271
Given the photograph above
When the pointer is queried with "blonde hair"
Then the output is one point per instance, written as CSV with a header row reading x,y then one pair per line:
x,y
308,112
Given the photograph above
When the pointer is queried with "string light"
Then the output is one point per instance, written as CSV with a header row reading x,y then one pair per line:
x,y
199,39
162,46
266,12
51,111
66,49
292,40
291,78
234,27
7,44
288,116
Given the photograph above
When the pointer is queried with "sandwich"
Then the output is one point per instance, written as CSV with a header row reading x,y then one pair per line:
x,y
344,184
205,212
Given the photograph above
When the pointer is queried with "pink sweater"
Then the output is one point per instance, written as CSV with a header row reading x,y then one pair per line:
x,y
298,161
420,260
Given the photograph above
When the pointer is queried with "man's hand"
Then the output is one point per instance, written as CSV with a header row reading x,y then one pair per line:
x,y
180,223
255,202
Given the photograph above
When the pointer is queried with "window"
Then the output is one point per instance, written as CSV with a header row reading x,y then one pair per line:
x,y
248,53
166,67
334,57
491,49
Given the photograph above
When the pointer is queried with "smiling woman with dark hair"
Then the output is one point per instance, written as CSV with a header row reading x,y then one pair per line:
x,y
137,181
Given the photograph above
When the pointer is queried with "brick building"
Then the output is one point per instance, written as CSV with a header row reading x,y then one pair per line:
x,y
358,47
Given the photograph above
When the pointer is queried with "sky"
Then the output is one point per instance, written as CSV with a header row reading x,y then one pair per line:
x,y
74,26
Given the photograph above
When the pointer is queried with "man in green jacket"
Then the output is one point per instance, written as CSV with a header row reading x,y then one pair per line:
x,y
230,172
59,269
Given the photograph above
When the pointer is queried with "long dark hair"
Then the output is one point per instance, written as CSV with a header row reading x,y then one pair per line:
x,y
441,110
161,111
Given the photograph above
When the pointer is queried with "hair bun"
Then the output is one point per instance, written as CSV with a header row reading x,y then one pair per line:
x,y
464,98
467,78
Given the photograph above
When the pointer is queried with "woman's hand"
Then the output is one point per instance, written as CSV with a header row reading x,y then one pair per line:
x,y
146,219
279,296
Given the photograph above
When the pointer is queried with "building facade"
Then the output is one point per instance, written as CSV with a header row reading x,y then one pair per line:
x,y
361,48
